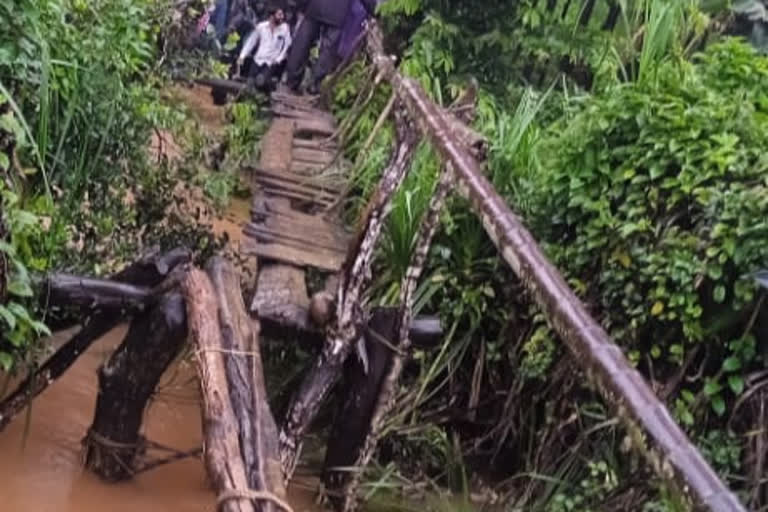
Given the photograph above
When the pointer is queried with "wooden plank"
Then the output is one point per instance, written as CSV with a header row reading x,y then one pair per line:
x,y
278,182
308,127
293,219
323,183
319,144
320,228
295,191
291,241
302,240
292,255
309,169
325,234
293,99
276,145
303,113
312,155
278,192
281,295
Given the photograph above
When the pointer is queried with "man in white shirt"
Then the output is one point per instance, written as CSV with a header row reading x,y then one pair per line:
x,y
273,38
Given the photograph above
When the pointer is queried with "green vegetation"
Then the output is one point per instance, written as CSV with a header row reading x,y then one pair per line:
x,y
630,136
80,97
637,155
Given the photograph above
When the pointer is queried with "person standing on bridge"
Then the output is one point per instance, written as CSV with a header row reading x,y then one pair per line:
x,y
322,19
274,39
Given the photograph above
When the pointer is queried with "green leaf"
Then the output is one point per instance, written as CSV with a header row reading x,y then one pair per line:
x,y
719,294
736,383
9,318
731,364
19,311
20,288
6,361
718,405
40,328
712,387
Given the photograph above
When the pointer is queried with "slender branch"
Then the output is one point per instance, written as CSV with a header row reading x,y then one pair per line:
x,y
388,391
341,334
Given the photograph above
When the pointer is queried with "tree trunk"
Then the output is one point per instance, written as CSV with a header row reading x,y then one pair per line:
x,y
150,271
240,443
126,382
361,390
95,294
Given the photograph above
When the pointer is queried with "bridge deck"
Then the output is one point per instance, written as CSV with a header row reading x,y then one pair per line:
x,y
296,181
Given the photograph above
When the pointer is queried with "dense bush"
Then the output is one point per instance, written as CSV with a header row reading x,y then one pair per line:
x,y
654,200
79,101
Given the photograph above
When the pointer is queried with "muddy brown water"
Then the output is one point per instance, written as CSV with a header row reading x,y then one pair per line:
x,y
40,459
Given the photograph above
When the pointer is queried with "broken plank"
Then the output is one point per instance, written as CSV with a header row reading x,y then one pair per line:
x,y
293,255
312,191
302,239
312,155
281,296
309,127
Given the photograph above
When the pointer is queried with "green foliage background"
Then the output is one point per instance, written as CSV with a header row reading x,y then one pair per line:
x,y
647,189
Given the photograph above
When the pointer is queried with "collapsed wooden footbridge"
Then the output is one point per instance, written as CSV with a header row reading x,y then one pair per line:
x,y
294,231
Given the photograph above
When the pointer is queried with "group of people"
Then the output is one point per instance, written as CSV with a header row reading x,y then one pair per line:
x,y
280,45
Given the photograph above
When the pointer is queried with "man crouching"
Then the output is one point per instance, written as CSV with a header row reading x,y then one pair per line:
x,y
273,38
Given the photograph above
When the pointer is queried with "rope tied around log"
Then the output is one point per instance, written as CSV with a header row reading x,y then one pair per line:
x,y
251,495
140,446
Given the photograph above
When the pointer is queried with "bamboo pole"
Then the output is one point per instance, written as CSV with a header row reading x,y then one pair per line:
x,y
651,427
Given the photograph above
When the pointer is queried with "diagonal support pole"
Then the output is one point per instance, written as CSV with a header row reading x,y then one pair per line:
x,y
651,428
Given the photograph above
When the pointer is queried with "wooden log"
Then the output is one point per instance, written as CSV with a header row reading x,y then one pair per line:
x,y
151,270
126,383
230,86
245,375
95,294
240,443
361,389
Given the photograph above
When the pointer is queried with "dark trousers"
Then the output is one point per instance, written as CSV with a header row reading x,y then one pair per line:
x,y
308,32
263,74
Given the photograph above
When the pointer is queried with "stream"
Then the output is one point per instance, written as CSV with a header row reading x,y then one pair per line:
x,y
40,467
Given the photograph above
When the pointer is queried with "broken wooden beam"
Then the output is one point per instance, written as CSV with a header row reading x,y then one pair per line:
x,y
126,382
346,329
149,271
360,392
